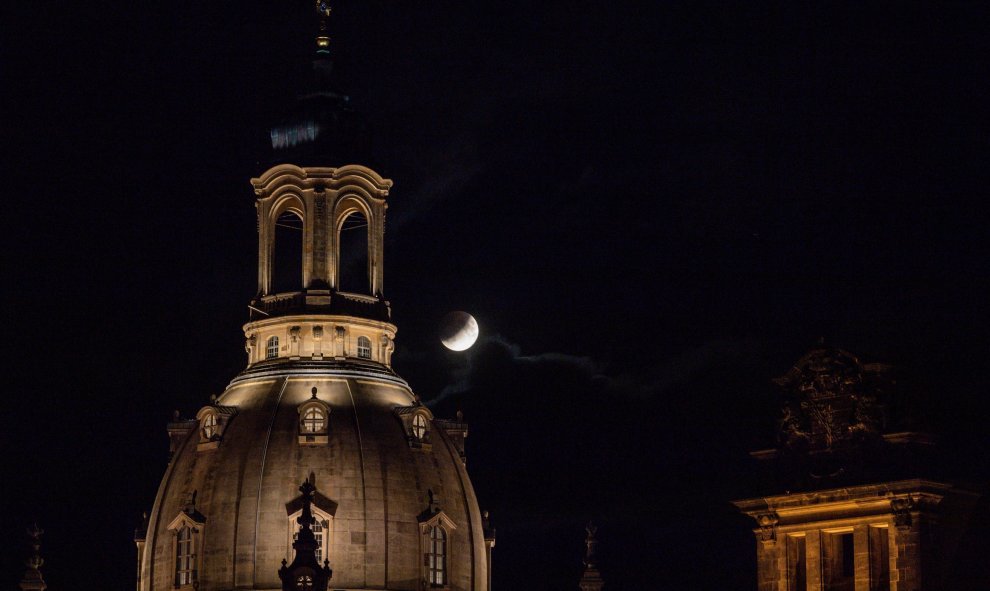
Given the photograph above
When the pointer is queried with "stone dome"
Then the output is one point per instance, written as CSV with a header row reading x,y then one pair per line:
x,y
319,403
383,478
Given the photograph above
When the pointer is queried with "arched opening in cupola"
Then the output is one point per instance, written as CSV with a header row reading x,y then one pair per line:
x,y
352,258
287,253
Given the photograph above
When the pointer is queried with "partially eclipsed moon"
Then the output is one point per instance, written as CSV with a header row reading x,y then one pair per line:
x,y
458,331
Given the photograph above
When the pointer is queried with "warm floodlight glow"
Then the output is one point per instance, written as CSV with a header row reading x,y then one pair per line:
x,y
458,331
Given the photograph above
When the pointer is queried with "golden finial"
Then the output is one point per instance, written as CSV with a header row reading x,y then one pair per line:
x,y
323,9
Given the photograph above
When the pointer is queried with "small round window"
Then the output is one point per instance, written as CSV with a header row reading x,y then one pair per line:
x,y
419,426
313,421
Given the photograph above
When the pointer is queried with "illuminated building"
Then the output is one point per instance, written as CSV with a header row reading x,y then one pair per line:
x,y
385,482
856,508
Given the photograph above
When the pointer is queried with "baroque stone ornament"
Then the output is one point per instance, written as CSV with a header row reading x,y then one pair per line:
x,y
901,508
767,523
305,573
831,401
591,580
32,579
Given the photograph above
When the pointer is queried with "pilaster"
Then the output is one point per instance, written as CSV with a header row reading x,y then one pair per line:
x,y
813,547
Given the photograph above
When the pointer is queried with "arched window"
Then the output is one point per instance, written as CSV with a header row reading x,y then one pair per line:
x,y
436,557
313,421
287,253
271,351
184,556
352,254
419,427
210,426
364,347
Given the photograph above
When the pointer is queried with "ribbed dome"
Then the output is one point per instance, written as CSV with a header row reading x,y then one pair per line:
x,y
379,486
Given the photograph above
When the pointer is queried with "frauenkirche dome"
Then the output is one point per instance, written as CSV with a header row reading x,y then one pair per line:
x,y
318,403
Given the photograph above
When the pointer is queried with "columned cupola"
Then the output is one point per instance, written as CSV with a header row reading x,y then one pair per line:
x,y
321,221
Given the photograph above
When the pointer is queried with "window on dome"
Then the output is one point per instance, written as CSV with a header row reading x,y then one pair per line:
x,y
313,421
321,531
271,351
419,426
184,556
364,347
436,556
210,428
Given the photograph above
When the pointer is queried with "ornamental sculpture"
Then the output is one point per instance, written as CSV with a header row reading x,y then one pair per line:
x,y
831,401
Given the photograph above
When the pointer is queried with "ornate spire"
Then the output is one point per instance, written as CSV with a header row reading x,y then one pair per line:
x,y
32,579
592,579
305,573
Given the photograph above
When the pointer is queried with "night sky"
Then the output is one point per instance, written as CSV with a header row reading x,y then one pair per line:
x,y
652,209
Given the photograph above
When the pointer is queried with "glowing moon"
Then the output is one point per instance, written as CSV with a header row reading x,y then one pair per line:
x,y
458,331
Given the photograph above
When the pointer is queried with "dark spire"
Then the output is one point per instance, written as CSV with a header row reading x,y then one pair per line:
x,y
305,573
32,579
321,128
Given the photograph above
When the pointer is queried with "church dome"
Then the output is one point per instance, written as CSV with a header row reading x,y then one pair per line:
x,y
386,500
387,475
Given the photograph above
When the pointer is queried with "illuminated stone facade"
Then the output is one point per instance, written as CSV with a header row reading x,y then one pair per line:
x,y
390,480
387,500
853,522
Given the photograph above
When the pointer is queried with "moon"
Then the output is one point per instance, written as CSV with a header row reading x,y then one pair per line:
x,y
458,331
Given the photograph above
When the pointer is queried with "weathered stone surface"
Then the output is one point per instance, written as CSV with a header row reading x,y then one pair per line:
x,y
367,467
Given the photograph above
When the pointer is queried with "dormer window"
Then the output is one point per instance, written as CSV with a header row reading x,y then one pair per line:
x,y
364,347
210,426
435,529
271,350
314,421
184,556
416,422
187,541
419,428
213,421
436,556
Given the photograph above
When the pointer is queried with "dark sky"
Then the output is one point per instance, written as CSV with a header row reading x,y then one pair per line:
x,y
651,208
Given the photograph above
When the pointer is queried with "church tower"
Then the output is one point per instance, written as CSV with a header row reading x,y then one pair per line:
x,y
857,502
386,501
